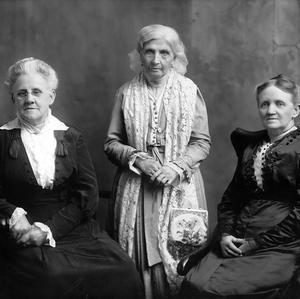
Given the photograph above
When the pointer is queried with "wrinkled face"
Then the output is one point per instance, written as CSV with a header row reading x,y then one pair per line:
x,y
277,110
32,97
157,58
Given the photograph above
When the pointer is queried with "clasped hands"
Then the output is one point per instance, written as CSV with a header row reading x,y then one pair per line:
x,y
233,247
158,174
26,234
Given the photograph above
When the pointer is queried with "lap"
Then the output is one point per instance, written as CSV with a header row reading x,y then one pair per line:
x,y
81,263
256,273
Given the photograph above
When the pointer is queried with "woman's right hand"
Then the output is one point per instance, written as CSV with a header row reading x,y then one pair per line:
x,y
21,227
147,166
229,246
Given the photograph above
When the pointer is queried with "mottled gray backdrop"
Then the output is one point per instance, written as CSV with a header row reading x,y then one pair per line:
x,y
231,44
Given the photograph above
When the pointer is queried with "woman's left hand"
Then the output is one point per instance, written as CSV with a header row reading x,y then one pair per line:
x,y
248,246
165,176
35,236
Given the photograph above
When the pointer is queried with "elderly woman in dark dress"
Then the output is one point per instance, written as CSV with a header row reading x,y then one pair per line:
x,y
258,232
50,244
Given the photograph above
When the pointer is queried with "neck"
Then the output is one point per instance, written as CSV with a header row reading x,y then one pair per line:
x,y
156,82
33,126
273,134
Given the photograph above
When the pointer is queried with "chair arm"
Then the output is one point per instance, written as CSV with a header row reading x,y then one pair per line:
x,y
190,260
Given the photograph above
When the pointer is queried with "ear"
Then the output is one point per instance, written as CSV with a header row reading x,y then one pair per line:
x,y
52,96
12,97
296,110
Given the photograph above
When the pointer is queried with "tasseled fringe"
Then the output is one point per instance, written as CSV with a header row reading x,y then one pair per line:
x,y
14,148
61,149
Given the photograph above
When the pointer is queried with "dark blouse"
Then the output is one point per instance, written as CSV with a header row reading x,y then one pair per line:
x,y
85,262
74,197
270,215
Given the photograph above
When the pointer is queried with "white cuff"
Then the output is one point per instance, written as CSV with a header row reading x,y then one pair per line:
x,y
45,228
17,213
132,161
177,169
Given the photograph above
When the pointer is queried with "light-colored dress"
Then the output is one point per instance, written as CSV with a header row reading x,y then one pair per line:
x,y
174,131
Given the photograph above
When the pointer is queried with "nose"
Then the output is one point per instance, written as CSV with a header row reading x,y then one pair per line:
x,y
156,58
271,109
29,98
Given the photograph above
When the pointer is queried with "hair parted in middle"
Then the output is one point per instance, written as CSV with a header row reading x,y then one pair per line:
x,y
282,82
157,31
28,66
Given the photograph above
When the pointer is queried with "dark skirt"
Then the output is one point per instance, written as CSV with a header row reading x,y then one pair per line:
x,y
86,263
263,274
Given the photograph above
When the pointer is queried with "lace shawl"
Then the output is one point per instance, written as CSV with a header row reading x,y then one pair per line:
x,y
179,102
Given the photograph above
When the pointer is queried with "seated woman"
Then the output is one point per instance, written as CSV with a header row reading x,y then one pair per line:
x,y
255,252
50,244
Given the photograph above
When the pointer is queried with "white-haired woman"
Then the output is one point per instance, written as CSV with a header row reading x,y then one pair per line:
x,y
50,244
158,136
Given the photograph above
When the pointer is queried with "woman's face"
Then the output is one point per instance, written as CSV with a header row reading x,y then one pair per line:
x,y
157,58
277,110
32,97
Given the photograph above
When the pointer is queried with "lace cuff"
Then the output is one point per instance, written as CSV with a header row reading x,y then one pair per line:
x,y
177,169
47,230
187,171
17,213
132,158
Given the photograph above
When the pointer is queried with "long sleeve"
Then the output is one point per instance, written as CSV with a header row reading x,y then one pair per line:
x,y
83,200
6,208
115,146
230,205
288,229
285,232
199,144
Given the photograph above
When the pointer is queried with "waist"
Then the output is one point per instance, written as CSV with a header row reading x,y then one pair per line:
x,y
159,147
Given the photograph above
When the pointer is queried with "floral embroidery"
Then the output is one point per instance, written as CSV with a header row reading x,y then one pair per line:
x,y
179,102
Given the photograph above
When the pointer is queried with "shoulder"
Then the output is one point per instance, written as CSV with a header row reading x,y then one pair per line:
x,y
185,82
121,91
123,88
241,138
13,124
73,133
9,130
290,142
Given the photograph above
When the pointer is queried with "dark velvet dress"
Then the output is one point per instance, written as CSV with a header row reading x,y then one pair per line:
x,y
269,215
85,263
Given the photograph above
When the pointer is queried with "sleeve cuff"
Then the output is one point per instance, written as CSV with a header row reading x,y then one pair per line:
x,y
177,169
133,157
17,213
181,163
47,230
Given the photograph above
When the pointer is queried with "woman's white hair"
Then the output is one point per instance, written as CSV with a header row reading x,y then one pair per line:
x,y
156,31
28,66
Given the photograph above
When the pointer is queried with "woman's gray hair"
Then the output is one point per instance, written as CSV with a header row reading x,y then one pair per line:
x,y
28,66
170,35
282,82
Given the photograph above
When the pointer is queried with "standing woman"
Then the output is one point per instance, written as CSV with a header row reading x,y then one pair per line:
x,y
158,136
50,244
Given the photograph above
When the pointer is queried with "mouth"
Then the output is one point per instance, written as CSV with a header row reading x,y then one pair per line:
x,y
30,108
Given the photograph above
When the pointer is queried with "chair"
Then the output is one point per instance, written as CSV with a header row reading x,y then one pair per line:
x,y
290,291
